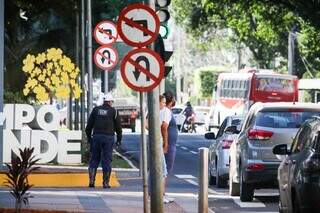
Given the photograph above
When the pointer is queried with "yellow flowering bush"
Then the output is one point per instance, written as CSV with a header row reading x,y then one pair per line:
x,y
51,74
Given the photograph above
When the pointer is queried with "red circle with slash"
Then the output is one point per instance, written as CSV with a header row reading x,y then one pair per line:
x,y
106,61
105,33
130,67
134,20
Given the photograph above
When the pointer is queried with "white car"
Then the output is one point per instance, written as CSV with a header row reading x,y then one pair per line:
x,y
178,115
208,123
201,112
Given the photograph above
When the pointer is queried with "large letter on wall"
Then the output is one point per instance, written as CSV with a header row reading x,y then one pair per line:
x,y
48,118
24,114
45,145
13,140
8,113
65,146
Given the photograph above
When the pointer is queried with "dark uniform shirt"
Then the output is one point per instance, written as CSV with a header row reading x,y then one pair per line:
x,y
104,120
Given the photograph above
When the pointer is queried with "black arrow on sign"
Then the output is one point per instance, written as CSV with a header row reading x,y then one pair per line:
x,y
143,23
106,32
109,56
136,72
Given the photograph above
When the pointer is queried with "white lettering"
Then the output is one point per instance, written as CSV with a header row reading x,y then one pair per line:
x,y
25,126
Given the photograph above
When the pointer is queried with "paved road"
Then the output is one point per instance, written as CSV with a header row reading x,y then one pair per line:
x,y
184,177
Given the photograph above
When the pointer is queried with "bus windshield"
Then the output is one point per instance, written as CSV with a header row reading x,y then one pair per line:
x,y
273,84
274,88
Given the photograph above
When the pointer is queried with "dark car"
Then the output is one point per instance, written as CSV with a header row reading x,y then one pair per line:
x,y
299,172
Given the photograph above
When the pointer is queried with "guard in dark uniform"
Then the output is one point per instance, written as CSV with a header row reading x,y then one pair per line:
x,y
102,124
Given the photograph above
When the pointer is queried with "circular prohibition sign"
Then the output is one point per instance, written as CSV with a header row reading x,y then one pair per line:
x,y
138,25
106,57
105,33
142,78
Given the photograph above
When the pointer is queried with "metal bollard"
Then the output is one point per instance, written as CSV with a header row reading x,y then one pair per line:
x,y
203,181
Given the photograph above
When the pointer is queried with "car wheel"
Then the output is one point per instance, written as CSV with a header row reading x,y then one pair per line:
x,y
246,190
234,188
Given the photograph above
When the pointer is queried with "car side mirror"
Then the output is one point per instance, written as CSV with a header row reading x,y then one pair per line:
x,y
232,130
281,149
210,135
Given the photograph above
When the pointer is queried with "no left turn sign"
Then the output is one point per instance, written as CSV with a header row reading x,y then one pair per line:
x,y
138,25
105,33
142,69
106,57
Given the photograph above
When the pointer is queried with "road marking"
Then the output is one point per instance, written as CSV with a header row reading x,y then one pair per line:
x,y
185,148
126,159
254,204
209,190
193,152
177,145
185,176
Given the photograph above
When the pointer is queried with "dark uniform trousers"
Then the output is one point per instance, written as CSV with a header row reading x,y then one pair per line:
x,y
101,149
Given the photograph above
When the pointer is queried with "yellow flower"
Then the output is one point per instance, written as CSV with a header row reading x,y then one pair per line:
x,y
29,59
41,57
64,78
26,91
28,67
54,54
76,91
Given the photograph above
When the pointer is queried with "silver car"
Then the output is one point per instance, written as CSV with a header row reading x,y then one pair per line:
x,y
219,151
252,163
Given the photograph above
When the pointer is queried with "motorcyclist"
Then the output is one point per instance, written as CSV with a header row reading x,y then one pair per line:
x,y
190,116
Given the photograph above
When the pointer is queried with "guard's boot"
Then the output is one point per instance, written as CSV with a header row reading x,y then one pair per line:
x,y
106,178
92,176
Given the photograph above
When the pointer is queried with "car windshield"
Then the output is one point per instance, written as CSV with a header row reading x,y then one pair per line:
x,y
283,119
176,110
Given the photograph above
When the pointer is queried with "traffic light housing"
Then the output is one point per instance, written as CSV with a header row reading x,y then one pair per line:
x,y
164,16
164,54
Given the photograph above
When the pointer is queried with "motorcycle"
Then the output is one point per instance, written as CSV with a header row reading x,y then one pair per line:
x,y
189,125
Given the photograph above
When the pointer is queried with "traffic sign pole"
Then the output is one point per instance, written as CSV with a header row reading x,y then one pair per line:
x,y
1,76
156,173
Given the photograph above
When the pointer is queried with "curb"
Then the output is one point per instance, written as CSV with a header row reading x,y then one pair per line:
x,y
64,179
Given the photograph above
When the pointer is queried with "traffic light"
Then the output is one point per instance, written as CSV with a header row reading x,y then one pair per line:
x,y
164,54
164,16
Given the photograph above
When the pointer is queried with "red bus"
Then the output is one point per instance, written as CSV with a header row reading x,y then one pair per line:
x,y
236,92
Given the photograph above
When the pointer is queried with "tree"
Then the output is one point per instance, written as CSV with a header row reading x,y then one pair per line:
x,y
51,75
262,26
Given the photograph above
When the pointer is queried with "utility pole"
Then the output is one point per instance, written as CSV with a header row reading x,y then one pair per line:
x,y
89,56
291,43
1,76
76,101
83,78
155,144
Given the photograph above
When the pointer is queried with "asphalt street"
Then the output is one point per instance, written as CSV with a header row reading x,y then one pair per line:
x,y
184,178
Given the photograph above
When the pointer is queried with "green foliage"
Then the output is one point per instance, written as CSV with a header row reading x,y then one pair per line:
x,y
17,176
15,97
207,83
262,26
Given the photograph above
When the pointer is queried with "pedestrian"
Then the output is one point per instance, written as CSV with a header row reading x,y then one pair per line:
x,y
170,155
101,127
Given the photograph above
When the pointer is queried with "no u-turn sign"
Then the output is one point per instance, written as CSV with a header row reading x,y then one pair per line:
x,y
142,69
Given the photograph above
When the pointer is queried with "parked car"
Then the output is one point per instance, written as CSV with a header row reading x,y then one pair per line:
x,y
178,115
219,151
201,112
252,163
299,172
208,121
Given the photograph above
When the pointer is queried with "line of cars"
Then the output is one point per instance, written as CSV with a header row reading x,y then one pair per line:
x,y
270,136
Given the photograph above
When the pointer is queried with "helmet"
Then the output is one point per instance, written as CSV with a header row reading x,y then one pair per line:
x,y
108,97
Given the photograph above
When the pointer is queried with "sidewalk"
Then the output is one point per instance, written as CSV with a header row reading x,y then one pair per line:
x,y
126,198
